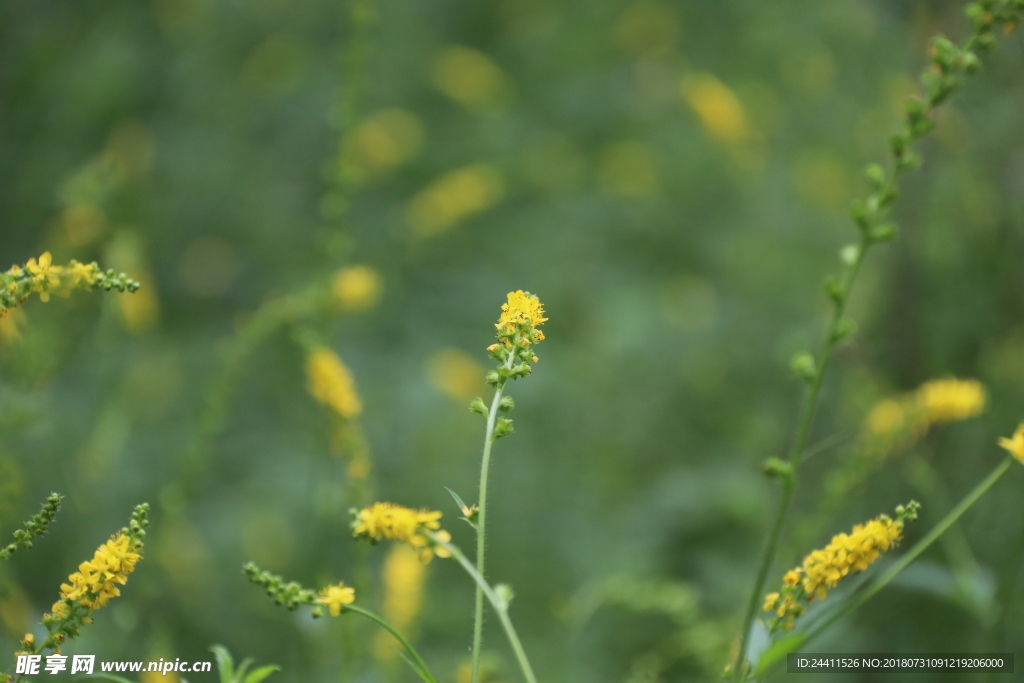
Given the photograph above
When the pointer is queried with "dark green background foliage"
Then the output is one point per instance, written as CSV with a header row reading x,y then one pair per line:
x,y
680,271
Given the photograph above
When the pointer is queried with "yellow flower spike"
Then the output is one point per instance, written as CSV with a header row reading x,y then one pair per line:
x,y
331,383
1015,444
948,400
823,569
96,580
334,598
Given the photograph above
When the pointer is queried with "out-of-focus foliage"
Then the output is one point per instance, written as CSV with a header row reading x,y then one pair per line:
x,y
671,178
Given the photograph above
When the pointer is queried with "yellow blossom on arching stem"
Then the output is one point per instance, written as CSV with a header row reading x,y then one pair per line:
x,y
357,288
97,579
823,569
331,383
334,598
392,522
1015,444
946,400
522,309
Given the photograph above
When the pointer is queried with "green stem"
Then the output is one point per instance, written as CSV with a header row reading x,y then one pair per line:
x,y
500,606
893,571
481,523
421,667
796,455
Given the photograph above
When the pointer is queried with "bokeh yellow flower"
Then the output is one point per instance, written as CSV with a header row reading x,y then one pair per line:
x,y
331,383
947,400
717,107
455,197
403,578
357,288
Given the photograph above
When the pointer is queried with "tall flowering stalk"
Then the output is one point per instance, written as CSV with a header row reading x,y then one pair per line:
x,y
96,582
822,570
518,332
950,63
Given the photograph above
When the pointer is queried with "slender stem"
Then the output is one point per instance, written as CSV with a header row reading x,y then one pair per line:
x,y
500,606
481,523
796,455
893,571
421,667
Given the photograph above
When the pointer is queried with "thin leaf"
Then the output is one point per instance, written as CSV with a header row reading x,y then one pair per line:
x,y
242,668
257,675
225,665
778,651
458,501
107,677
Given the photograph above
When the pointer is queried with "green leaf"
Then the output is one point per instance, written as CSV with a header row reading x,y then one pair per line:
x,y
239,675
225,665
257,675
778,651
458,501
108,677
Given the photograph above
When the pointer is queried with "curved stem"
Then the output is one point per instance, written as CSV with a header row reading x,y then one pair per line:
x,y
500,606
421,667
796,455
481,523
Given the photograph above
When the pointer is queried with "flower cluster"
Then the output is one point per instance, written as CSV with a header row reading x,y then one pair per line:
x,y
1015,444
97,580
393,522
823,569
331,383
517,326
40,276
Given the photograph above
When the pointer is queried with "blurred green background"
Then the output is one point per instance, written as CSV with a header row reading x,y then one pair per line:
x,y
670,177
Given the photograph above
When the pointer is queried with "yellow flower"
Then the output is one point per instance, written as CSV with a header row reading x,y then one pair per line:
x,y
44,274
1015,444
523,310
81,272
331,383
97,579
393,522
336,597
946,400
357,288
